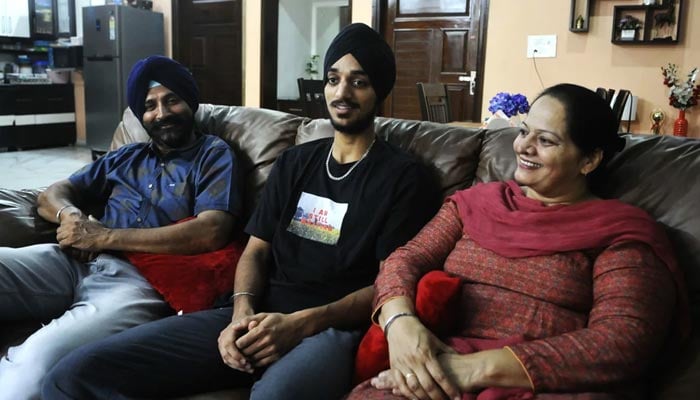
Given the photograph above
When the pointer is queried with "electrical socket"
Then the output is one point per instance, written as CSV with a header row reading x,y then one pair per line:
x,y
541,46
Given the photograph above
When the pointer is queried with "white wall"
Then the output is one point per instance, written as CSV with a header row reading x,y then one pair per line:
x,y
327,22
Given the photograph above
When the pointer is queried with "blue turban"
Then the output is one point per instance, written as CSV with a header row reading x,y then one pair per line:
x,y
168,73
370,50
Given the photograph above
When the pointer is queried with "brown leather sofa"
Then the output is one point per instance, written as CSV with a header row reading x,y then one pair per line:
x,y
660,174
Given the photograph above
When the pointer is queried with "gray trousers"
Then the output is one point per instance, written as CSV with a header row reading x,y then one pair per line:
x,y
80,303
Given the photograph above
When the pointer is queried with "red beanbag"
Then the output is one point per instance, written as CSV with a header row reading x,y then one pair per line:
x,y
435,307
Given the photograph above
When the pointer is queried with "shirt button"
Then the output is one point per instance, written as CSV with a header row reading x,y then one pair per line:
x,y
138,219
150,186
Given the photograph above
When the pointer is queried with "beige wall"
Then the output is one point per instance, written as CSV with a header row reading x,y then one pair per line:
x,y
362,11
252,16
588,59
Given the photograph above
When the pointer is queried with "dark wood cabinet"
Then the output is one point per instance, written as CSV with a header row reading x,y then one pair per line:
x,y
37,116
660,23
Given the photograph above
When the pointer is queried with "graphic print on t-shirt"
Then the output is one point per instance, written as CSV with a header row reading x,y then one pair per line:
x,y
318,219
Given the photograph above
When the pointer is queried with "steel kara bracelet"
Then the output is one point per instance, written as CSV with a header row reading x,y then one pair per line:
x,y
393,318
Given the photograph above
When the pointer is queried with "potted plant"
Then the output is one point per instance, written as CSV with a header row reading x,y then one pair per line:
x,y
681,95
628,26
312,66
508,106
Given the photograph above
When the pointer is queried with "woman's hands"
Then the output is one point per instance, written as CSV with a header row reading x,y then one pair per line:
x,y
415,368
469,372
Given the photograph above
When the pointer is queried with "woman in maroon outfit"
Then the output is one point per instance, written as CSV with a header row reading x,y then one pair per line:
x,y
572,294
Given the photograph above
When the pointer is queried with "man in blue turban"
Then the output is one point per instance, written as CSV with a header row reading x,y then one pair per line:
x,y
83,288
331,211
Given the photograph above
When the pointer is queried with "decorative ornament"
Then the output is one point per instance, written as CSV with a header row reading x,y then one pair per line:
x,y
657,117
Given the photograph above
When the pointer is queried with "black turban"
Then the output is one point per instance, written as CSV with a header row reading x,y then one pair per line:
x,y
168,73
370,50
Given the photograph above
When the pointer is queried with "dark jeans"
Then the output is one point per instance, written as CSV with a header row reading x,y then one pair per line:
x,y
179,356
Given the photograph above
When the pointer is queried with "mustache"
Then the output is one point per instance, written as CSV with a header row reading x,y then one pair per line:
x,y
170,120
347,103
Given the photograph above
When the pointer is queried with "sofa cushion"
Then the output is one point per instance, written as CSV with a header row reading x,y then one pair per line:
x,y
451,152
20,224
313,129
436,303
497,158
191,282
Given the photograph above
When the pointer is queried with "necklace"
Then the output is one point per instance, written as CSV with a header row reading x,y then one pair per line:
x,y
345,175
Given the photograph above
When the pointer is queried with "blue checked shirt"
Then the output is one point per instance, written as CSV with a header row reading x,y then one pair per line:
x,y
140,189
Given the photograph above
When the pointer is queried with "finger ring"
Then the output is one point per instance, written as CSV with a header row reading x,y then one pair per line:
x,y
410,374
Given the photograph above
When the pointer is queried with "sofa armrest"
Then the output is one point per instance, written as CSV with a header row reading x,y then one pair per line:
x,y
20,222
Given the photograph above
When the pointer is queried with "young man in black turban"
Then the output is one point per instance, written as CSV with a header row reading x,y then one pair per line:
x,y
81,285
331,211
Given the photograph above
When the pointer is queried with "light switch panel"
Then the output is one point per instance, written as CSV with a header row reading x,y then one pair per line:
x,y
541,46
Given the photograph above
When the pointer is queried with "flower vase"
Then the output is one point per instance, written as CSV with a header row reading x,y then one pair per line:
x,y
680,127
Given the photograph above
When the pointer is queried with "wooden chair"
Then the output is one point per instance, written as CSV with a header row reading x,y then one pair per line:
x,y
434,103
312,99
617,102
618,106
606,94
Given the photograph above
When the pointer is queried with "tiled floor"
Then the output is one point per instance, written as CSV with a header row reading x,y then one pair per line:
x,y
30,169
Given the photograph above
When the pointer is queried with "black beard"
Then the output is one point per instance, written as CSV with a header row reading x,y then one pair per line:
x,y
175,137
357,127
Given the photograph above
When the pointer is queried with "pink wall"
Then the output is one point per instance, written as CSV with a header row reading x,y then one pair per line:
x,y
587,59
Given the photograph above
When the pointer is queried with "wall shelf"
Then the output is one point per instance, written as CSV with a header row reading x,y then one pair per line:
x,y
661,23
580,8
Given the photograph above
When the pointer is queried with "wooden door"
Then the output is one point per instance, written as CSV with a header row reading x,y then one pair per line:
x,y
207,39
436,41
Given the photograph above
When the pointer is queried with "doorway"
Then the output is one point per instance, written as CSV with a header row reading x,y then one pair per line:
x,y
207,39
435,41
290,42
306,29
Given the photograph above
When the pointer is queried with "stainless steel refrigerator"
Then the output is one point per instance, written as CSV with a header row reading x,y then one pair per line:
x,y
114,38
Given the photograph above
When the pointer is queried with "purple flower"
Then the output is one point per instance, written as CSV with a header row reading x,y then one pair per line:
x,y
511,105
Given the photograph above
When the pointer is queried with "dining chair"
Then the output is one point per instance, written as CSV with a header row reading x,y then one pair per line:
x,y
618,105
606,94
434,102
313,101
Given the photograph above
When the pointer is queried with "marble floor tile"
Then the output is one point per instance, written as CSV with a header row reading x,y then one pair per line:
x,y
31,169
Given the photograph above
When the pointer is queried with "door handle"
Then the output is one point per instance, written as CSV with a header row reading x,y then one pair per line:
x,y
471,78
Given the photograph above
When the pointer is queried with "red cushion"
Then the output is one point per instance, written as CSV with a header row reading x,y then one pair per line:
x,y
190,282
435,307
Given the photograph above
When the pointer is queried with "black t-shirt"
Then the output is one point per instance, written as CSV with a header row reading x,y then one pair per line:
x,y
328,236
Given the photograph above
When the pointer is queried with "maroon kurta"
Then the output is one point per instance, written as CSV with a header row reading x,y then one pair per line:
x,y
592,317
